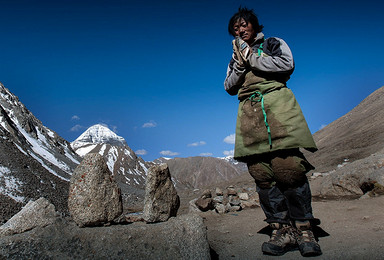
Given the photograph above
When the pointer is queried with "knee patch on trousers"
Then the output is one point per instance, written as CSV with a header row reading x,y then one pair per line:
x,y
290,170
262,174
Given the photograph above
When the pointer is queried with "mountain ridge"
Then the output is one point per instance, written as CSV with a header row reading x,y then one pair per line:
x,y
34,160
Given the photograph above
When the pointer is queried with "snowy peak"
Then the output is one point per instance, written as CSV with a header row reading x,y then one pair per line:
x,y
128,169
98,134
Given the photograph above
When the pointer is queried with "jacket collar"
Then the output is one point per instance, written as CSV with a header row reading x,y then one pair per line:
x,y
258,39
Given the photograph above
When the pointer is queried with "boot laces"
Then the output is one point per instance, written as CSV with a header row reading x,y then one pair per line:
x,y
306,236
282,236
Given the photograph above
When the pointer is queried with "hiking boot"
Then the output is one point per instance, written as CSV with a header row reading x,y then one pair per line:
x,y
306,241
281,241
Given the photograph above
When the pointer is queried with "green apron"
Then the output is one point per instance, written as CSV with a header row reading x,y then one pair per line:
x,y
269,119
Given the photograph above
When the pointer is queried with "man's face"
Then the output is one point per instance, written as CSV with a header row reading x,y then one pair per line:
x,y
244,30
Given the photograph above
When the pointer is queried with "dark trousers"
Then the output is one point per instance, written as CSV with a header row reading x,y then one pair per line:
x,y
282,185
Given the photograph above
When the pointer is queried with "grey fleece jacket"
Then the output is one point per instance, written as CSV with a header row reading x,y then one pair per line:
x,y
276,63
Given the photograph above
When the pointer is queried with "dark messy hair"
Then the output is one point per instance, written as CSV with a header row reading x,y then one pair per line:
x,y
249,17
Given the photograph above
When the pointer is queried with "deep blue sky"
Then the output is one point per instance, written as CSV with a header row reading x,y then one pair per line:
x,y
153,71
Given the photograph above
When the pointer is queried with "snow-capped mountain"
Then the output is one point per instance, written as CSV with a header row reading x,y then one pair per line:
x,y
34,160
131,170
128,169
97,134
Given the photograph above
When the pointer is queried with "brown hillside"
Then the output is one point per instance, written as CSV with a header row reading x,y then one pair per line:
x,y
197,172
353,136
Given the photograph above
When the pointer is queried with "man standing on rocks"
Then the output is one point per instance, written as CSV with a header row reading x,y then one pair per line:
x,y
270,130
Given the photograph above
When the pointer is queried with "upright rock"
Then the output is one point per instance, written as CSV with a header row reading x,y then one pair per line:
x,y
39,213
94,197
161,200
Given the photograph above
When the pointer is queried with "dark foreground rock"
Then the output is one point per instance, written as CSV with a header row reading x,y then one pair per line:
x,y
184,237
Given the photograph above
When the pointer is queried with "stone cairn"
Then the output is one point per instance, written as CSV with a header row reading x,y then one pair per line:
x,y
222,202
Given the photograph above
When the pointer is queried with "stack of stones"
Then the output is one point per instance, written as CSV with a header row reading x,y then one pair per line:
x,y
230,200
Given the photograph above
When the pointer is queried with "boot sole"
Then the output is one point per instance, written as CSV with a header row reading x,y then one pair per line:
x,y
307,250
270,249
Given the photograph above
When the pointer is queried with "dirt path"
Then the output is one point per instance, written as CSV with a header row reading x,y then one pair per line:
x,y
355,227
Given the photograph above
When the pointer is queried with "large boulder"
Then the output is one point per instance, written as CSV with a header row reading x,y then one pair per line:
x,y
94,197
348,178
183,237
161,200
39,213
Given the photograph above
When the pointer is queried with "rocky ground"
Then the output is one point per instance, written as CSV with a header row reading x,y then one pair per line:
x,y
355,228
350,228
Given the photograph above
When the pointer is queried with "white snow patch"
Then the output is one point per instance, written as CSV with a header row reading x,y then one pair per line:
x,y
102,149
37,147
84,150
69,155
111,158
229,159
144,168
42,138
21,149
4,170
137,172
128,153
174,181
50,133
78,144
3,124
46,167
11,184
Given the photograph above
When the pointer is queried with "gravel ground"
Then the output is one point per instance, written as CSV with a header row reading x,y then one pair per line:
x,y
355,228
